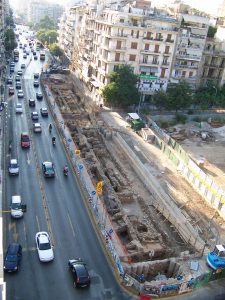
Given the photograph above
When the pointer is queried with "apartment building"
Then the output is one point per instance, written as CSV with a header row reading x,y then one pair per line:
x,y
213,62
189,50
39,9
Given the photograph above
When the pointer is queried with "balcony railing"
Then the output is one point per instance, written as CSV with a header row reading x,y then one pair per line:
x,y
169,41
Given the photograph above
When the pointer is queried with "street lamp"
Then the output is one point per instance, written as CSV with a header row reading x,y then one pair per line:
x,y
215,89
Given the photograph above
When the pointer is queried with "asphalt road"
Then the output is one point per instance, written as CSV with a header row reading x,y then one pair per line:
x,y
53,205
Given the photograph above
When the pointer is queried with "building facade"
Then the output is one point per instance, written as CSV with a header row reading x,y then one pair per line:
x,y
39,9
191,41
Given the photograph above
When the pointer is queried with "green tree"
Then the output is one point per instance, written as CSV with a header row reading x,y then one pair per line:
x,y
10,40
179,96
160,99
46,23
211,31
49,36
122,90
56,50
210,95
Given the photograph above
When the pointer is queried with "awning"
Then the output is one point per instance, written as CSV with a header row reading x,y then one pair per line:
x,y
149,77
95,84
134,116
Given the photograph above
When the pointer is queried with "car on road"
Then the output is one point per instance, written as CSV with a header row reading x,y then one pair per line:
x,y
36,83
48,169
44,246
44,112
23,66
11,69
19,108
9,80
34,52
17,78
34,116
25,56
20,94
37,128
18,85
36,75
11,90
20,72
25,140
13,257
39,96
32,103
17,208
12,64
79,272
35,57
13,167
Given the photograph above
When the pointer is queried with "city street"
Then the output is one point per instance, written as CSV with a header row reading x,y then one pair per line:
x,y
54,205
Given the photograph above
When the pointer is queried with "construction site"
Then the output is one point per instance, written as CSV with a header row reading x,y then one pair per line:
x,y
152,240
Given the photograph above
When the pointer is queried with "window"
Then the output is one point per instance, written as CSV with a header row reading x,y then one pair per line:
x,y
149,35
156,48
132,57
145,59
167,49
146,46
183,73
118,44
155,60
117,57
134,45
121,20
190,74
169,37
163,72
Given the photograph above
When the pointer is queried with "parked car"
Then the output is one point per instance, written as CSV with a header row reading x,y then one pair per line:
x,y
20,72
48,169
37,127
79,272
39,96
16,207
13,167
36,75
13,257
25,56
44,247
19,108
34,116
32,103
35,57
25,140
44,112
23,66
18,85
17,78
9,80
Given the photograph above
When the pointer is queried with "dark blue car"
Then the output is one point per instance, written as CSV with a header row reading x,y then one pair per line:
x,y
13,257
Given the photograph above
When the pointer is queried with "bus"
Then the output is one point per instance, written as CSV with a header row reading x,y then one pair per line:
x,y
42,55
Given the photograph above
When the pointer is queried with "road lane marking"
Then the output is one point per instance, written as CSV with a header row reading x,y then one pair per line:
x,y
24,230
71,225
38,225
28,160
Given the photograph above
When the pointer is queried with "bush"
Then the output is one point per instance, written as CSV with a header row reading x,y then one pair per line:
x,y
145,111
180,119
197,119
190,112
163,124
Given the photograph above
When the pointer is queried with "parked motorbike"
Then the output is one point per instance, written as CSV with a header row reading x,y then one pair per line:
x,y
65,171
53,141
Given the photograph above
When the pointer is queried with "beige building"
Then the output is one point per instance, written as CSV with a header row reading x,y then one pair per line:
x,y
39,9
106,38
213,62
189,50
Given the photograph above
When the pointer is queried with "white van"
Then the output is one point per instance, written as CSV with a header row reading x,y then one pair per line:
x,y
16,207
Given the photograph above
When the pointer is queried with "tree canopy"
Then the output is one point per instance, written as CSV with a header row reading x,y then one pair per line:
x,y
10,40
211,31
179,96
49,36
56,50
45,23
122,90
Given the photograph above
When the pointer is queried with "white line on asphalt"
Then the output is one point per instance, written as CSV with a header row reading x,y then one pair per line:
x,y
28,160
71,224
38,225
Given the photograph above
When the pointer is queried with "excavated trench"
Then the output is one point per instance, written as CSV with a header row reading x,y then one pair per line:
x,y
144,232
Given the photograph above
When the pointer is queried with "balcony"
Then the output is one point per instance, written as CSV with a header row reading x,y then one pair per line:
x,y
165,63
141,62
158,39
188,56
150,52
186,66
169,41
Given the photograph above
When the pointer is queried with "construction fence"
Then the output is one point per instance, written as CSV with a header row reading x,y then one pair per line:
x,y
96,203
202,182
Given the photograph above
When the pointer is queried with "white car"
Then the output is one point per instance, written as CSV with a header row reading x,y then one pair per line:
x,y
37,127
44,246
19,108
13,167
20,94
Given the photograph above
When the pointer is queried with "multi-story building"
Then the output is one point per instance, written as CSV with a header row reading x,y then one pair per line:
x,y
128,35
189,50
213,62
39,9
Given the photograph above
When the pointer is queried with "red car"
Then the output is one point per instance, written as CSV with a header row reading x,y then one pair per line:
x,y
25,140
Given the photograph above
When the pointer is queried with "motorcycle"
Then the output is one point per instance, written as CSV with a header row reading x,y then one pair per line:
x,y
65,171
53,141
